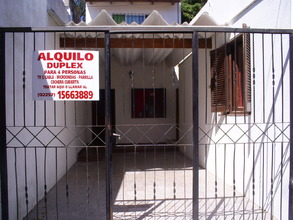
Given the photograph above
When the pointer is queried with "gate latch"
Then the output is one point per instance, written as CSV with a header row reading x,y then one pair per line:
x,y
117,135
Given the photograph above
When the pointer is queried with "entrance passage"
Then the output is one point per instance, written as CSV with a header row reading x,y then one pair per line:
x,y
136,196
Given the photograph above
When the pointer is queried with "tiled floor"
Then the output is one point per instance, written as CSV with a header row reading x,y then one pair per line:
x,y
146,185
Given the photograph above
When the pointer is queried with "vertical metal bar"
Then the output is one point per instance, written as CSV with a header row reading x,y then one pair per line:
x,y
206,77
108,124
263,181
206,184
216,78
273,77
13,78
253,76
37,183
46,150
263,79
56,185
3,152
253,179
291,132
55,105
224,185
282,68
243,183
282,144
16,183
45,183
234,82
195,125
26,188
234,178
272,178
216,180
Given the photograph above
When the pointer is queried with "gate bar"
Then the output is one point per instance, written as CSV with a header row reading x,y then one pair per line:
x,y
291,131
108,128
3,152
195,200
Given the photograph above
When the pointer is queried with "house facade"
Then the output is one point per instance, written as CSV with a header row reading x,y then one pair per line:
x,y
240,158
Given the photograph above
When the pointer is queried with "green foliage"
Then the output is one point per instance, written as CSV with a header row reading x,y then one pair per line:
x,y
190,8
80,4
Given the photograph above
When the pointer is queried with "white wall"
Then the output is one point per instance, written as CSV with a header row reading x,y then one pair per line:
x,y
237,153
170,12
255,13
17,13
26,165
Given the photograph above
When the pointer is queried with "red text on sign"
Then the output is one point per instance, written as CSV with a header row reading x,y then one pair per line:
x,y
75,94
61,56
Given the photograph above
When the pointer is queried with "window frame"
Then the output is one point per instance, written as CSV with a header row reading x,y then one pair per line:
x,y
127,16
148,103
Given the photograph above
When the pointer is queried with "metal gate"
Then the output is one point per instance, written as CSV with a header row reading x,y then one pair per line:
x,y
192,123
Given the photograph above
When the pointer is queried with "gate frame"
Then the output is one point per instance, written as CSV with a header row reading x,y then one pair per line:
x,y
108,127
195,161
291,130
3,152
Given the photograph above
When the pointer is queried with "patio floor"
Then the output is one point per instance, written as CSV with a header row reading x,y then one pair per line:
x,y
146,185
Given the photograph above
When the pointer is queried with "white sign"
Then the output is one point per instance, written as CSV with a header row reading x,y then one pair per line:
x,y
65,75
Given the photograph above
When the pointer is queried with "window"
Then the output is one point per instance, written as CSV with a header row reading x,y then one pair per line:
x,y
148,103
129,18
230,77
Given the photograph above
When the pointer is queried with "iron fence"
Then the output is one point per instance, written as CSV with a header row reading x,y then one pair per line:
x,y
192,123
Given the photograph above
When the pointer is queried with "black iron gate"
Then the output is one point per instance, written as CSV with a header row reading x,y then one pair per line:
x,y
59,161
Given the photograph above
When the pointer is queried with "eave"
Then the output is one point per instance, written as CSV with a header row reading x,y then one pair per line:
x,y
133,43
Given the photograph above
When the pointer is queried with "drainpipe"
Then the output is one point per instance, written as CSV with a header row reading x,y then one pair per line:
x,y
179,13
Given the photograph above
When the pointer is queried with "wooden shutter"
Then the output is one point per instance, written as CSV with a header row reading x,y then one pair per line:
x,y
241,100
238,78
219,81
231,77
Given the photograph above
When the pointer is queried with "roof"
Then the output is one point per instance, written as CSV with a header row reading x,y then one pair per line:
x,y
104,19
147,45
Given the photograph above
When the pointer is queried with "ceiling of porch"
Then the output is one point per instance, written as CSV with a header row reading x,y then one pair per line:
x,y
128,48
